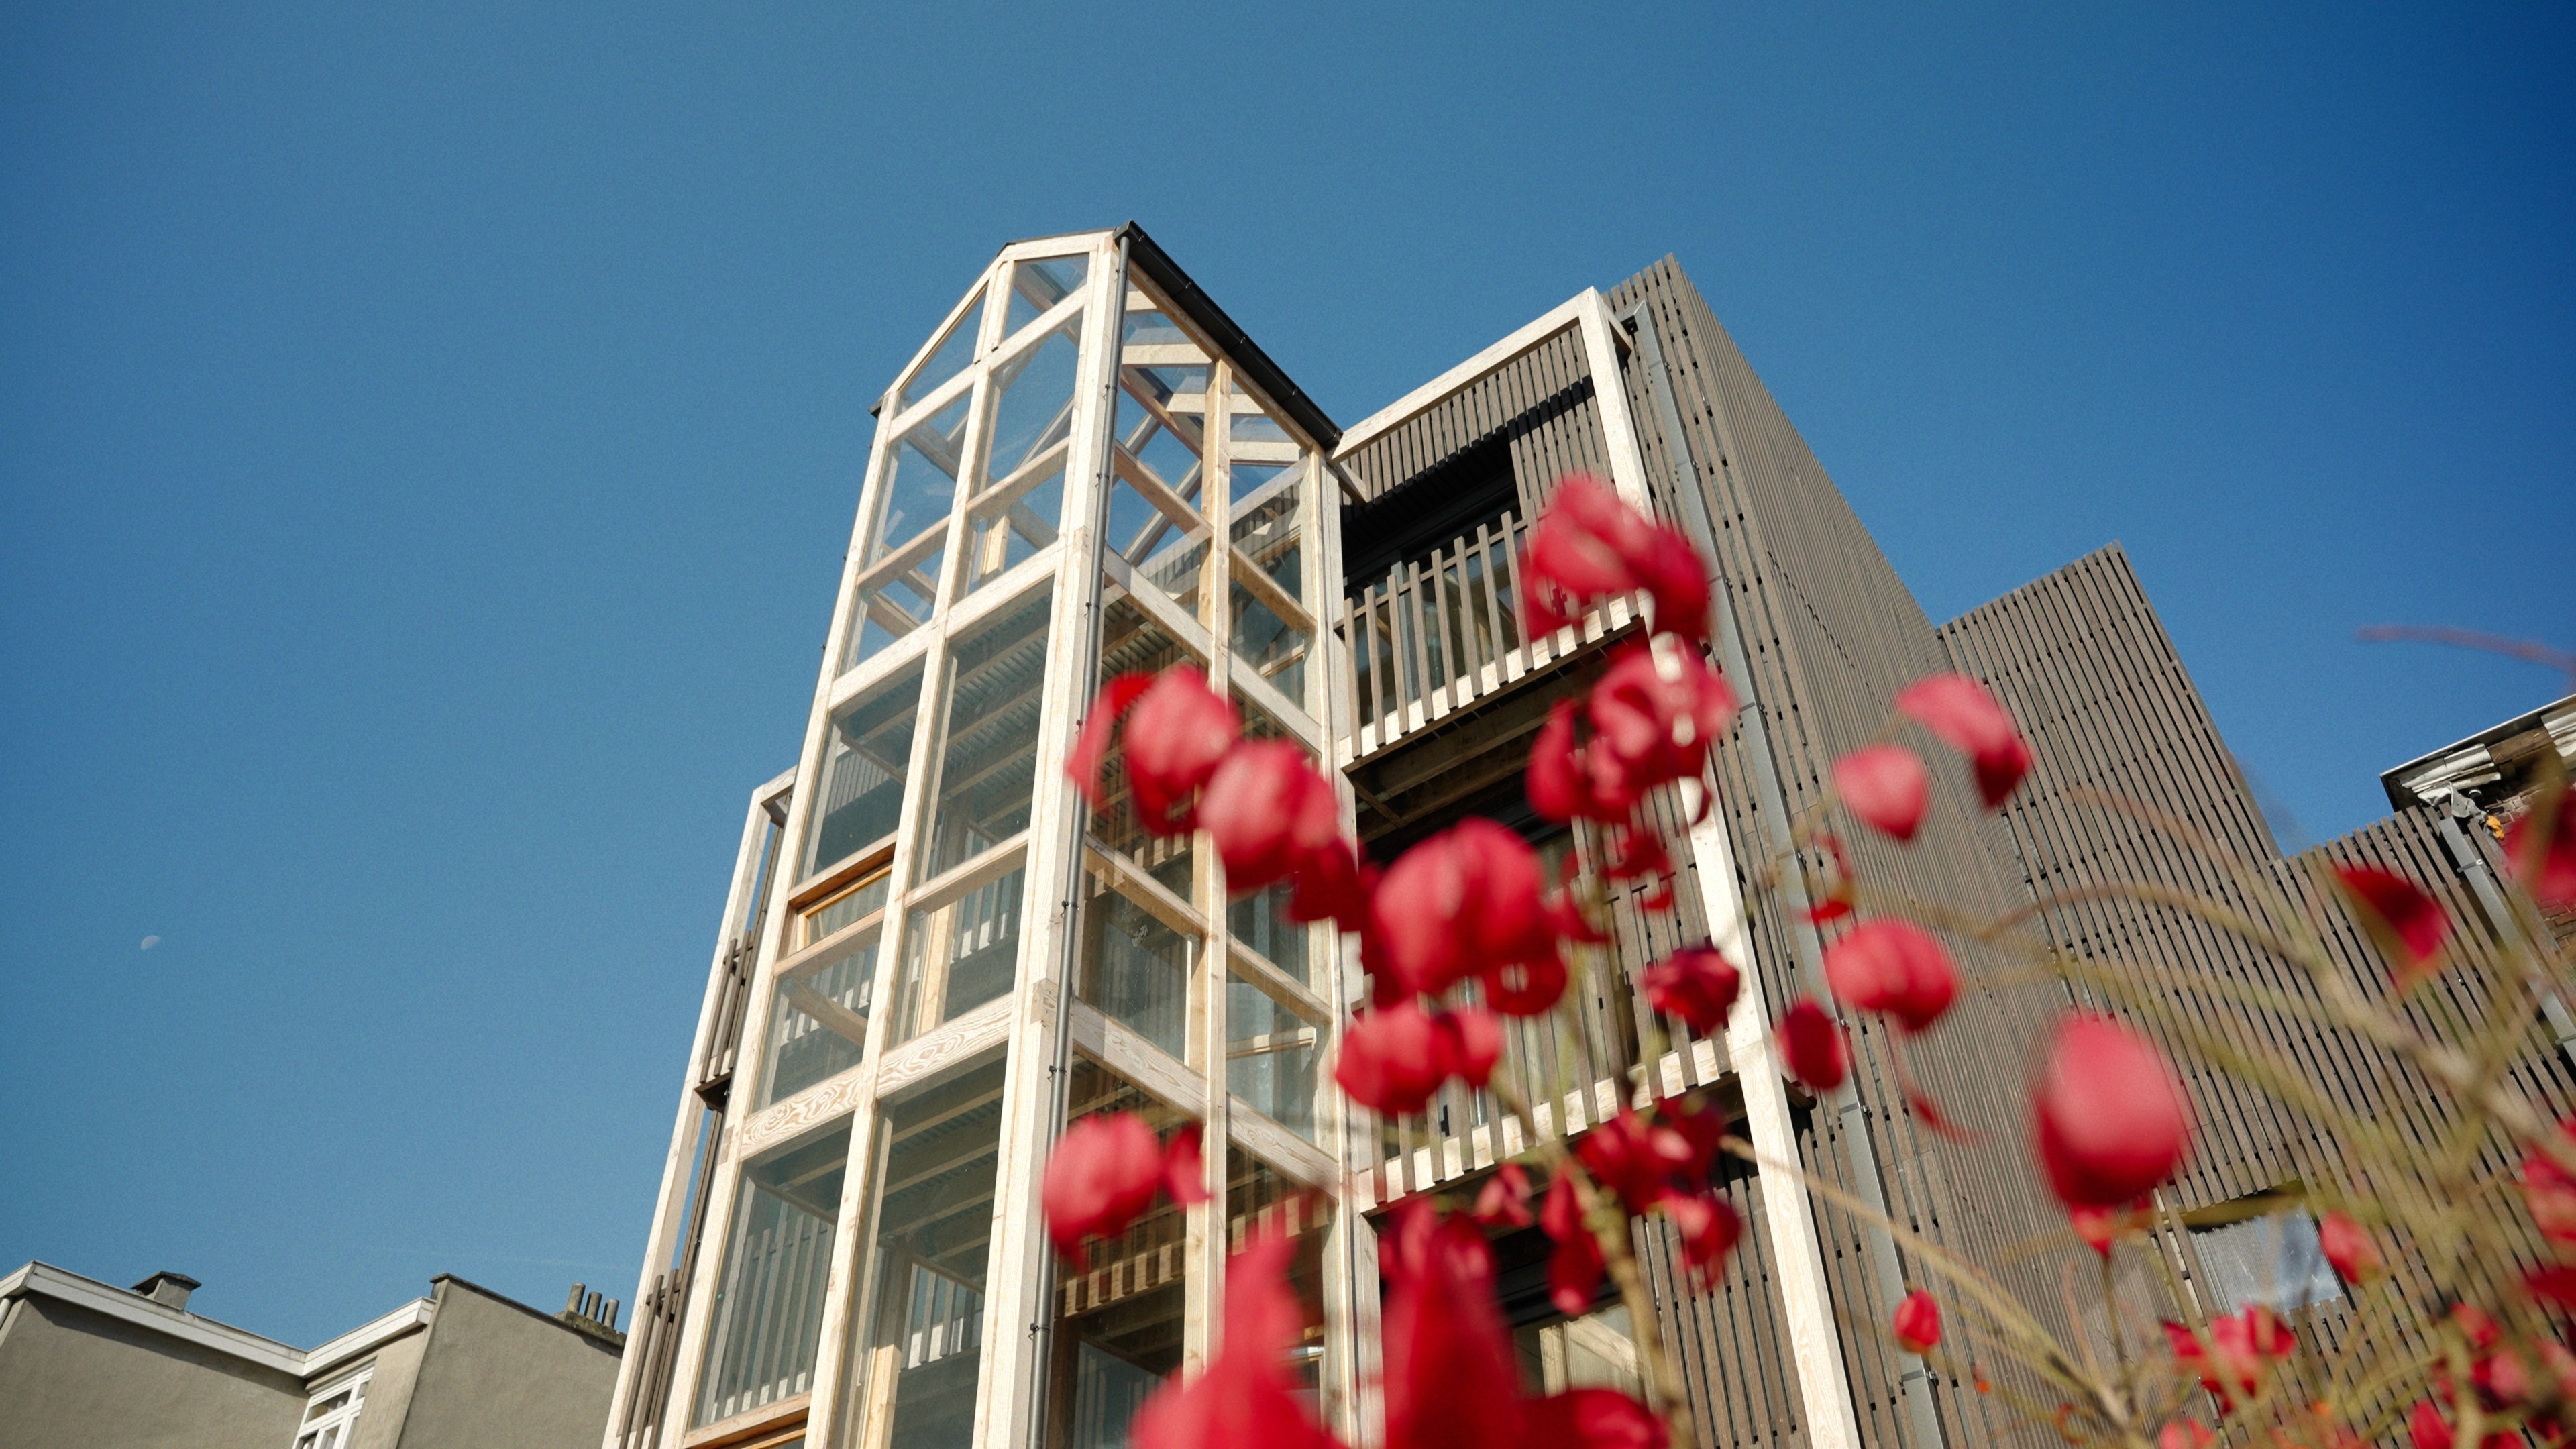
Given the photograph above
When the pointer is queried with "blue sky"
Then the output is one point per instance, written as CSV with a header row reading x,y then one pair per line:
x,y
428,438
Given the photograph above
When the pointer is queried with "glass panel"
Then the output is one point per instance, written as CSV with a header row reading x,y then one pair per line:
x,y
1275,649
1130,641
1033,403
863,769
1147,327
934,1231
818,1025
1261,724
844,910
769,1304
1135,966
2274,1260
1266,526
1595,1351
1118,1312
901,574
946,360
1270,1056
988,769
1261,1199
1024,457
1165,555
1038,285
1159,424
1260,921
960,955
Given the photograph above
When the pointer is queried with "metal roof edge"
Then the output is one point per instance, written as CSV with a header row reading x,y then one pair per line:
x,y
1159,268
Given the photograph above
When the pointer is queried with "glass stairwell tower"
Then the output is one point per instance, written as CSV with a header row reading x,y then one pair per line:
x,y
934,956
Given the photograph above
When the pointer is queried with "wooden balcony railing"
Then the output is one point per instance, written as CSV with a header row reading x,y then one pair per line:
x,y
1437,634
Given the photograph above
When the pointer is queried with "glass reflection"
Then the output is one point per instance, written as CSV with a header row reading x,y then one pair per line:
x,y
988,767
769,1307
956,348
1039,285
869,750
958,956
1270,1056
934,1230
1118,1313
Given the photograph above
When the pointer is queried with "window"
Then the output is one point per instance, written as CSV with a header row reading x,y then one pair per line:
x,y
769,1304
934,1228
2273,1260
909,539
1139,945
331,1418
863,769
819,1021
988,770
1119,1312
1014,514
960,954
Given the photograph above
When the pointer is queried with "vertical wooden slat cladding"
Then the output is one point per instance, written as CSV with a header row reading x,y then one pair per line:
x,y
1830,634
2085,666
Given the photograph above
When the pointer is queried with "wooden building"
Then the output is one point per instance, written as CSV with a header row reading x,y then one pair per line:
x,y
932,956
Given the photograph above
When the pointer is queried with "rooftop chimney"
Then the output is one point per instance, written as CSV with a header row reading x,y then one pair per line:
x,y
168,1289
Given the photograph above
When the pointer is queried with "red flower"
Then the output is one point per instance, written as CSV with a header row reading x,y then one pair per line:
x,y
1091,746
1885,787
2348,1247
1892,966
1558,785
2405,921
1590,1419
1589,544
1504,1203
2101,1227
2243,1347
1472,1042
1464,901
1177,733
2185,1434
1918,1322
1961,714
2546,868
1811,1045
2111,1118
1656,713
2427,1429
1392,1059
2550,1193
1268,811
1710,1229
1525,988
1452,1381
1574,1269
1696,984
1247,1398
1636,1161
1104,1172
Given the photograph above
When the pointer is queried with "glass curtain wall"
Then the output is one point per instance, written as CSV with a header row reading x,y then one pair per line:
x,y
769,1307
927,807
930,1245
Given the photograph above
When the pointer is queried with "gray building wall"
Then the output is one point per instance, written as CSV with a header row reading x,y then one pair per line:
x,y
71,1378
496,1375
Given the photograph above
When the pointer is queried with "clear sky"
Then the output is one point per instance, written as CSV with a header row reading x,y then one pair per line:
x,y
428,440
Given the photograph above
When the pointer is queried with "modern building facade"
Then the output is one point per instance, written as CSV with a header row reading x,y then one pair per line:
x,y
84,1364
933,956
